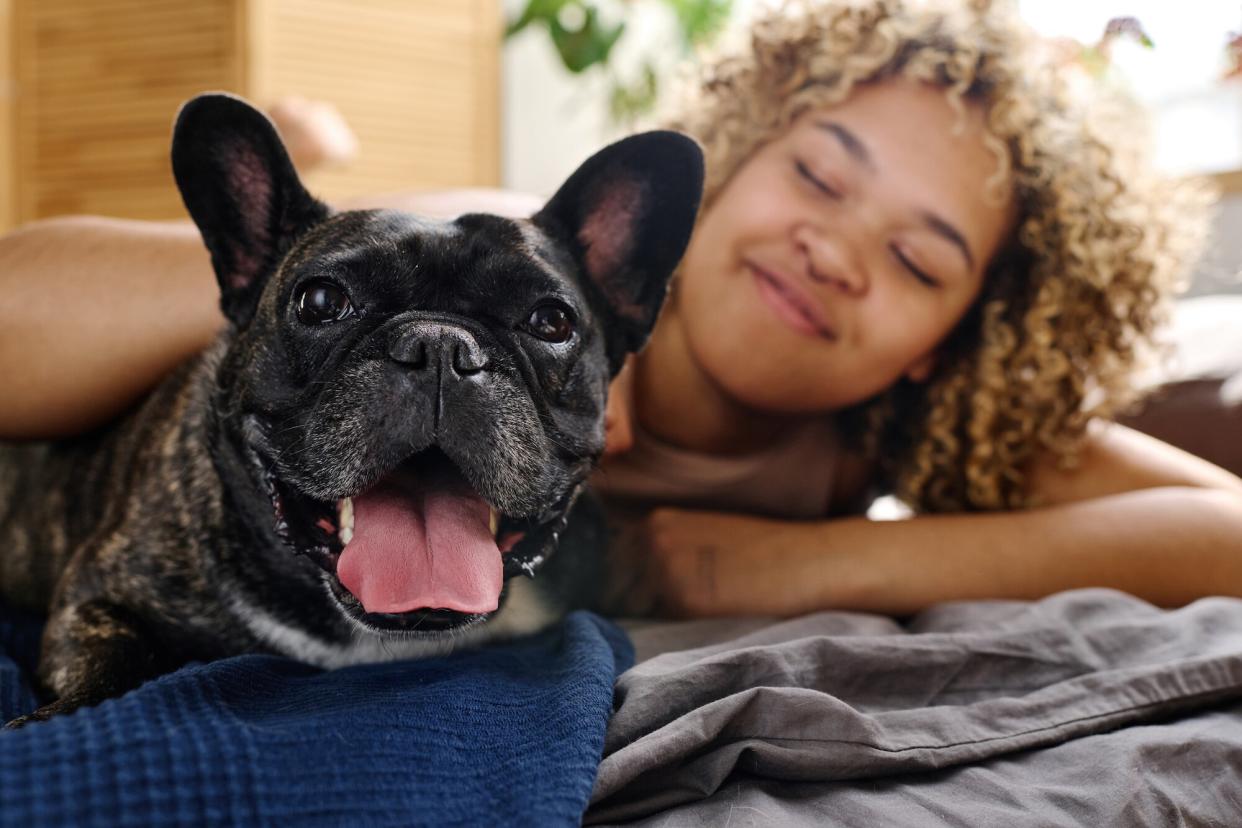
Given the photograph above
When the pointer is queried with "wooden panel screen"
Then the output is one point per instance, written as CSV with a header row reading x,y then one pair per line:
x,y
8,184
417,82
99,81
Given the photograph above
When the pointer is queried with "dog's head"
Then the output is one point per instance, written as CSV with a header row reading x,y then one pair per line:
x,y
425,398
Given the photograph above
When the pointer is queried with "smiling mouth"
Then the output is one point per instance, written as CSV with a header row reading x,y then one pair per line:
x,y
790,306
420,550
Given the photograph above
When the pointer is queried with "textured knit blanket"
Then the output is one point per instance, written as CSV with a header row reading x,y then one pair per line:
x,y
510,734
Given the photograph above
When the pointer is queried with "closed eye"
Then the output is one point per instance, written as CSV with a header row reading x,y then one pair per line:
x,y
918,273
805,172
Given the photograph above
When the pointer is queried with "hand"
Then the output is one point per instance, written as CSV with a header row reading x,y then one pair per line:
x,y
687,564
314,132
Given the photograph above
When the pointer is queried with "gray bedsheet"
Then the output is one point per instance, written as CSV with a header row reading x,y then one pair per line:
x,y
1086,708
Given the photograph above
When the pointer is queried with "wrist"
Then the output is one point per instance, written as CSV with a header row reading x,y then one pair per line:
x,y
829,568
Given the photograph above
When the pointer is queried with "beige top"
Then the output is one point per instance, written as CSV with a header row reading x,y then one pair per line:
x,y
791,479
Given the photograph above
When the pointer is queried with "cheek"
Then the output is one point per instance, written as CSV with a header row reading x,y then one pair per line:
x,y
755,206
906,329
714,238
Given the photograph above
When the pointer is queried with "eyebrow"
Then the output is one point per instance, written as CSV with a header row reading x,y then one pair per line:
x,y
854,147
947,231
857,150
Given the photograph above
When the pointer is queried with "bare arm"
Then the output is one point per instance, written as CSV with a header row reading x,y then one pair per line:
x,y
93,312
1138,516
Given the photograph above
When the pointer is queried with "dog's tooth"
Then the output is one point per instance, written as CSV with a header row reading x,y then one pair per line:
x,y
346,512
493,521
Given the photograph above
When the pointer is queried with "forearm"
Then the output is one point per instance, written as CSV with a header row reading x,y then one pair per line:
x,y
93,312
1166,545
446,204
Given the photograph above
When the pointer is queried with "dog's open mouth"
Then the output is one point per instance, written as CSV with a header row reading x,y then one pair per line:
x,y
420,550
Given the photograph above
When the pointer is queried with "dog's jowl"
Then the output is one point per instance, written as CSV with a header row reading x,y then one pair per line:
x,y
380,455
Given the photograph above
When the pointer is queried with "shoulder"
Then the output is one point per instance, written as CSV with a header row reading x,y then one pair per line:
x,y
1115,459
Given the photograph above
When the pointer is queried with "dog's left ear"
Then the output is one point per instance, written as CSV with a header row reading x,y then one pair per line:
x,y
242,191
626,215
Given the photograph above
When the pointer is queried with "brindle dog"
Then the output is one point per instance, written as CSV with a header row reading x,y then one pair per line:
x,y
394,426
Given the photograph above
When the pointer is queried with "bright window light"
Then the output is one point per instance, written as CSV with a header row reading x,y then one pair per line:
x,y
1198,125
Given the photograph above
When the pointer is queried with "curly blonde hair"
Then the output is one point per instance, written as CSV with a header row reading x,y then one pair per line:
x,y
1068,308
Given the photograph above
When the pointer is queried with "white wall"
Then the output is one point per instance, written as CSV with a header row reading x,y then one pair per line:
x,y
552,119
1222,266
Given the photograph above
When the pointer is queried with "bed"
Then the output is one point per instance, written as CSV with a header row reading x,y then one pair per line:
x,y
1087,708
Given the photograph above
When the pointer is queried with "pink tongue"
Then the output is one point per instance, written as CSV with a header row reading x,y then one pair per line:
x,y
415,549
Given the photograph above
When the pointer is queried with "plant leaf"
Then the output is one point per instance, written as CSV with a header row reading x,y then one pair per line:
x,y
541,11
582,48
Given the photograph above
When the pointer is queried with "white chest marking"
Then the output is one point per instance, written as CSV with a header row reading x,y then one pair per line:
x,y
522,613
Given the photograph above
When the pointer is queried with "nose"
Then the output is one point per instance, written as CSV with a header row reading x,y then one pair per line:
x,y
830,262
436,344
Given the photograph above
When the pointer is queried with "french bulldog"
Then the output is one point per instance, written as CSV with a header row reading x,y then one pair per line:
x,y
380,455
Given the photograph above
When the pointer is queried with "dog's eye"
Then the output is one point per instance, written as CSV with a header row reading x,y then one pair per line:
x,y
551,323
321,301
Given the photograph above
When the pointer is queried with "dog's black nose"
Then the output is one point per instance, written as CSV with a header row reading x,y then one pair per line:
x,y
424,344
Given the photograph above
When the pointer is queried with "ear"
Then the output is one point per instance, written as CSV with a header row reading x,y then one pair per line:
x,y
240,188
627,214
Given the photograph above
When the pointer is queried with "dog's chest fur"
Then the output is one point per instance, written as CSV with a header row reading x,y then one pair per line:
x,y
525,611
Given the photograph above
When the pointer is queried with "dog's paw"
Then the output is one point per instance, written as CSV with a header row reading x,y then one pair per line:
x,y
22,721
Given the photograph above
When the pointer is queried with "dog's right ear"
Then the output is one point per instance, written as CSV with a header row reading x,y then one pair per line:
x,y
626,215
242,191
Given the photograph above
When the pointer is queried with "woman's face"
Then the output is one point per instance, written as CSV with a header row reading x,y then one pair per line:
x,y
841,254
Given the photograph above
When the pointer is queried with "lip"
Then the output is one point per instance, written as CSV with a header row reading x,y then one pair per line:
x,y
792,303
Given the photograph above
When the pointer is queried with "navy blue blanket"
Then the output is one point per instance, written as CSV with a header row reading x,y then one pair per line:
x,y
510,734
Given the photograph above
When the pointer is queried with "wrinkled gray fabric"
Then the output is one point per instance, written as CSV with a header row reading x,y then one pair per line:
x,y
1042,713
1184,772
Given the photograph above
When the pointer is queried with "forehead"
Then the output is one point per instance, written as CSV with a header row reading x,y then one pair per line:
x,y
905,115
480,253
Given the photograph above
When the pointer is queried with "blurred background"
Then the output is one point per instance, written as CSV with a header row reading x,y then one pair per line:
x,y
378,96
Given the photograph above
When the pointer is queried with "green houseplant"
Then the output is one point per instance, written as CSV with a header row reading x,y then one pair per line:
x,y
584,40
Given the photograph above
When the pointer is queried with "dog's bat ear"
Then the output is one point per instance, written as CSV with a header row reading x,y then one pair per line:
x,y
242,191
627,214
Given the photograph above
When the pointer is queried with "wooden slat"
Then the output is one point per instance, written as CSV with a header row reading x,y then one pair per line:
x,y
416,81
24,112
488,42
100,82
8,167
